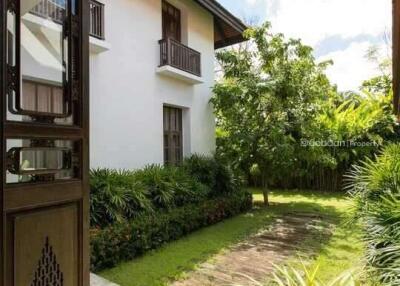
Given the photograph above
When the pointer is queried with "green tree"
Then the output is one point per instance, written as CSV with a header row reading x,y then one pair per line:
x,y
381,83
268,96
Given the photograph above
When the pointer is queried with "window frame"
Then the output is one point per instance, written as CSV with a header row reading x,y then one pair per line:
x,y
173,154
52,95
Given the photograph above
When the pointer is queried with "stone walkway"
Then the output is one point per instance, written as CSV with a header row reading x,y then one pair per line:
x,y
249,263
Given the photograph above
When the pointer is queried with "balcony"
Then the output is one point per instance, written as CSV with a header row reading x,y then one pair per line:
x,y
179,61
96,19
48,9
55,11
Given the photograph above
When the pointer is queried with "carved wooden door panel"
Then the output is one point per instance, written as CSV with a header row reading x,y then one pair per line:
x,y
44,143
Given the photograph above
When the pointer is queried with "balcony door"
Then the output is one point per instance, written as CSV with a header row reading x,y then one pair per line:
x,y
44,142
171,22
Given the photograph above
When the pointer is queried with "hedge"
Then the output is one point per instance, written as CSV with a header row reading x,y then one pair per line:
x,y
127,240
122,195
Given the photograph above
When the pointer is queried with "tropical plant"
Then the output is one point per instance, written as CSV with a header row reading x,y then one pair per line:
x,y
306,276
160,185
130,239
290,276
212,173
115,196
375,188
351,130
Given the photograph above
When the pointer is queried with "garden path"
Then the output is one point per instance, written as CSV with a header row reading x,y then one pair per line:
x,y
251,261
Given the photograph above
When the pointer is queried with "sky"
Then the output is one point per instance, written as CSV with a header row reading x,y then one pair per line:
x,y
340,30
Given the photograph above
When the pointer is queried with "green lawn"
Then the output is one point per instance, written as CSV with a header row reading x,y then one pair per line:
x,y
336,254
342,253
343,250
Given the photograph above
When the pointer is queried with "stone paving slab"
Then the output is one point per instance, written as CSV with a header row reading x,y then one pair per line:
x,y
96,280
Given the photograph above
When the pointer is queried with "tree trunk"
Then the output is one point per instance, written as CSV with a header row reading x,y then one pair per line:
x,y
265,189
266,198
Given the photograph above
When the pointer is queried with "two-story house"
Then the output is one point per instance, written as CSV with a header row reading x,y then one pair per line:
x,y
152,70
151,74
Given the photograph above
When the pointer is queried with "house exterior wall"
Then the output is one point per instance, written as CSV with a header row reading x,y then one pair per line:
x,y
128,95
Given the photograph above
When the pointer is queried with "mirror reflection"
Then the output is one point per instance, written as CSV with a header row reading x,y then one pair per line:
x,y
27,164
42,160
43,60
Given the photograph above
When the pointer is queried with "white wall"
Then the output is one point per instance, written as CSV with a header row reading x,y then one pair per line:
x,y
127,95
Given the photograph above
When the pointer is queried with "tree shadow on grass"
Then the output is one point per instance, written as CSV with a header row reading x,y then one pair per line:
x,y
323,220
333,244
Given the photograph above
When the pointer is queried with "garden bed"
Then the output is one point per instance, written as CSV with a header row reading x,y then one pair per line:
x,y
133,212
175,260
126,241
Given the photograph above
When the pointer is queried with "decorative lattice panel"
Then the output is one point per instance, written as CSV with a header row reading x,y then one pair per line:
x,y
48,271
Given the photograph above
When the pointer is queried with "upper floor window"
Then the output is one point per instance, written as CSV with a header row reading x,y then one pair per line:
x,y
171,22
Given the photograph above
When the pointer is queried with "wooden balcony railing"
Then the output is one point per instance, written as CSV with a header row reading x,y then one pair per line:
x,y
179,56
51,9
96,19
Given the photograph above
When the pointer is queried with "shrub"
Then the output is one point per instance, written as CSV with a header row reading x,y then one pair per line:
x,y
375,187
127,240
121,195
136,211
170,186
212,173
115,196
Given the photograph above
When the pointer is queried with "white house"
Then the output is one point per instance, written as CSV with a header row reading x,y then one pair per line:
x,y
151,72
150,99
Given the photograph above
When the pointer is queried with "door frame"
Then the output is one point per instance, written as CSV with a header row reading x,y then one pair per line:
x,y
48,131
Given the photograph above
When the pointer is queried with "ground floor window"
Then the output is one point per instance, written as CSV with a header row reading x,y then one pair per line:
x,y
173,151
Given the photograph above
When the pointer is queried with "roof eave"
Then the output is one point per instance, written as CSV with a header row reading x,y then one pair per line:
x,y
229,42
222,14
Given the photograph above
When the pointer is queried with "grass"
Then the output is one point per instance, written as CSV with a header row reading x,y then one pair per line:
x,y
175,258
337,254
172,261
342,253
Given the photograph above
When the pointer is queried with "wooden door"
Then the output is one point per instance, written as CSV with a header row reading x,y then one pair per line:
x,y
171,22
44,143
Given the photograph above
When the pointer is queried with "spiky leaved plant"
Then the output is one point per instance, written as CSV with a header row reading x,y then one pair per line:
x,y
116,196
375,188
306,276
289,276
